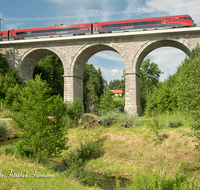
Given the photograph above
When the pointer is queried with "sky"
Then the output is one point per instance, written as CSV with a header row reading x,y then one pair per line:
x,y
41,13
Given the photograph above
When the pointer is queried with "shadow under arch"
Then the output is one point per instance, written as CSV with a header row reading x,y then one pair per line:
x,y
29,61
159,44
84,55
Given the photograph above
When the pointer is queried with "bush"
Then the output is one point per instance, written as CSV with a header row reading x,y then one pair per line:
x,y
9,149
114,116
109,118
173,123
86,151
76,159
74,109
42,137
4,133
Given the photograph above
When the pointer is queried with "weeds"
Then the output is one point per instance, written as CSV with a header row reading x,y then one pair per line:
x,y
4,133
156,181
76,159
113,117
174,123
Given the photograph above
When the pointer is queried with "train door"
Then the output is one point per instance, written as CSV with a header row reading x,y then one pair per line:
x,y
167,22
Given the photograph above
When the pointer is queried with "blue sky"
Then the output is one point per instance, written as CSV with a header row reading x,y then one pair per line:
x,y
38,13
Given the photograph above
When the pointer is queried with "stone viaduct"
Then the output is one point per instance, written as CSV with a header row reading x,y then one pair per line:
x,y
75,51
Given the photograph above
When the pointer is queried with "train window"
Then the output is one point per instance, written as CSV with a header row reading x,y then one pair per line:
x,y
180,17
117,25
187,18
21,33
175,20
1,34
156,22
104,26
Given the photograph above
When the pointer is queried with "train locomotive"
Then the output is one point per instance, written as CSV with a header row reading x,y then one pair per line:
x,y
100,27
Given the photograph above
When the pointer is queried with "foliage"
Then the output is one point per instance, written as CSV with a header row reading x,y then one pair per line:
x,y
76,160
117,85
156,181
149,79
107,101
3,65
195,114
93,85
180,92
115,116
74,109
8,80
86,151
174,123
4,133
42,136
109,117
51,70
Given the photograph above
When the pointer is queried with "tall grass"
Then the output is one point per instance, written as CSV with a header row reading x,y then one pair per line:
x,y
155,181
114,116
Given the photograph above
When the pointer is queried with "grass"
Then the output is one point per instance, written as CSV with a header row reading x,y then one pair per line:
x,y
132,150
55,180
150,152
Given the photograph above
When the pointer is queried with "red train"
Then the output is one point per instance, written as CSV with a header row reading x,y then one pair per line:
x,y
100,27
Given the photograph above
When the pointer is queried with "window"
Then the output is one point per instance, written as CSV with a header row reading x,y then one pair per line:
x,y
1,34
187,18
175,20
54,30
131,24
180,17
21,33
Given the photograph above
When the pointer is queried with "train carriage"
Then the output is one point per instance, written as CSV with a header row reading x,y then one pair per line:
x,y
100,27
4,35
78,29
126,25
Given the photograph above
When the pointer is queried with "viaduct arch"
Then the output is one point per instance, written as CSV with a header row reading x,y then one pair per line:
x,y
74,52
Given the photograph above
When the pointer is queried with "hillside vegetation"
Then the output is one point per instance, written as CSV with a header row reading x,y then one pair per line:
x,y
160,150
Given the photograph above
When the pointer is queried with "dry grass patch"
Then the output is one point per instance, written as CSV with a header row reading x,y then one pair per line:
x,y
168,152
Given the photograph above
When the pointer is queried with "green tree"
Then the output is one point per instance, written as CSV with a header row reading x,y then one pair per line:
x,y
149,79
43,137
8,80
51,70
93,85
179,91
107,101
3,65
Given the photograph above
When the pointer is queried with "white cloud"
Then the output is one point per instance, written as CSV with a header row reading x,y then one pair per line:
x,y
114,72
168,59
110,56
172,7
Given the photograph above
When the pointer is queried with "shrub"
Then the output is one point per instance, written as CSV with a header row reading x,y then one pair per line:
x,y
109,117
74,109
114,116
4,133
174,123
42,137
